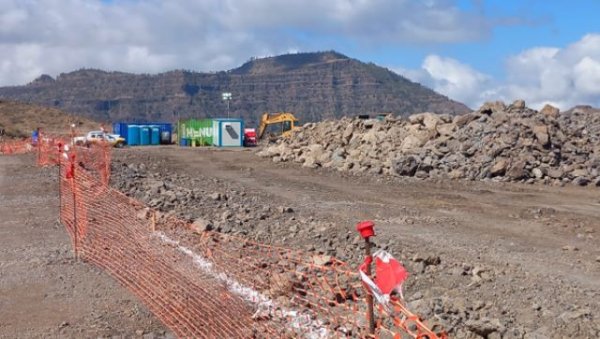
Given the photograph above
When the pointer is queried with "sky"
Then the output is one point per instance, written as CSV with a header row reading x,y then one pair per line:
x,y
469,50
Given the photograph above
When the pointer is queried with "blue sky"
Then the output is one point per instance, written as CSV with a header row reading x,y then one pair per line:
x,y
469,50
523,24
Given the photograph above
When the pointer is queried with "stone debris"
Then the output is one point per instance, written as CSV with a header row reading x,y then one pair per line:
x,y
496,142
469,299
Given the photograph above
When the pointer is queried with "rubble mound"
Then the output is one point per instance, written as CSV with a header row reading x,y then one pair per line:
x,y
496,142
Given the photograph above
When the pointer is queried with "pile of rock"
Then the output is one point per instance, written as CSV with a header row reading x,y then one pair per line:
x,y
496,142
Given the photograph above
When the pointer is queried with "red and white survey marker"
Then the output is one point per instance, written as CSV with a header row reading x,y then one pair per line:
x,y
389,276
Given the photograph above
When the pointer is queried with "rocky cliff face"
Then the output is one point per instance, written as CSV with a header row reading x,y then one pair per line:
x,y
314,86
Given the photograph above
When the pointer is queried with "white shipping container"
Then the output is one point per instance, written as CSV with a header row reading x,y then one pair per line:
x,y
228,132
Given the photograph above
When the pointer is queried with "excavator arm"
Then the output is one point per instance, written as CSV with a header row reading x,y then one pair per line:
x,y
287,120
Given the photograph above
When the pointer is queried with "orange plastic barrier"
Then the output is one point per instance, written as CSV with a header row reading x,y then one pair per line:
x,y
20,146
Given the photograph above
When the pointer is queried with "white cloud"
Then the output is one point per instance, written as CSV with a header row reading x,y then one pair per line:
x,y
455,79
53,36
564,77
452,78
587,76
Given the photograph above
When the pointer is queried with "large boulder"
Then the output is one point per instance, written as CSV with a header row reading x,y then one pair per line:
x,y
406,165
541,134
518,105
555,173
464,119
416,138
499,167
275,150
550,111
316,150
446,129
427,119
517,170
491,107
348,131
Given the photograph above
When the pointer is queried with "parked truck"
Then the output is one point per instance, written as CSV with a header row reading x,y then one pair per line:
x,y
250,137
99,136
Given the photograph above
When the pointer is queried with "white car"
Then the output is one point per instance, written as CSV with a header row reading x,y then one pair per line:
x,y
97,136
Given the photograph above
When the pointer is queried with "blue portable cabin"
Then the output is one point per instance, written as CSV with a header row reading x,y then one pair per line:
x,y
228,132
122,129
117,129
165,131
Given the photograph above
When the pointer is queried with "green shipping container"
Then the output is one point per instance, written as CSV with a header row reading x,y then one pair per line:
x,y
198,132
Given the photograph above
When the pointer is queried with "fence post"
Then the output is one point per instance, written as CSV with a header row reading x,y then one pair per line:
x,y
106,163
60,146
39,147
73,135
71,176
153,222
75,228
366,230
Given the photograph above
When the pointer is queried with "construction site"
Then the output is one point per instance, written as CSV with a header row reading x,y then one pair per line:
x,y
415,169
491,217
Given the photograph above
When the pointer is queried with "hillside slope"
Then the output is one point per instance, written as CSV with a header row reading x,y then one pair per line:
x,y
18,120
315,86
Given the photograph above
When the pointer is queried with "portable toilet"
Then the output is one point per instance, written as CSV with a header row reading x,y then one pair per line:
x,y
228,132
133,135
154,135
144,135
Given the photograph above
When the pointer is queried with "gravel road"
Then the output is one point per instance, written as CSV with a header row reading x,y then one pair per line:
x,y
44,292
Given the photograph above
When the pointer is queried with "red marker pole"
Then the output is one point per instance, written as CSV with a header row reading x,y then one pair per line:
x,y
366,230
60,147
71,176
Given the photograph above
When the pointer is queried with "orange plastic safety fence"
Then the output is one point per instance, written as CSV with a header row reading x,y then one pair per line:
x,y
209,284
49,149
102,224
19,146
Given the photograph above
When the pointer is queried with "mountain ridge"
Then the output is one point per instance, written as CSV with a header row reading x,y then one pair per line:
x,y
315,86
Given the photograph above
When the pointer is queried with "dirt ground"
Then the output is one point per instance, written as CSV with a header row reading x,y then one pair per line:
x,y
44,292
509,260
523,258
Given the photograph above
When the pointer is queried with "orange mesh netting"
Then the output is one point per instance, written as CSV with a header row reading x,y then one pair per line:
x,y
19,146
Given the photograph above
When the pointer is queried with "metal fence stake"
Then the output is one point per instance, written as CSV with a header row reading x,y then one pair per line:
x,y
366,230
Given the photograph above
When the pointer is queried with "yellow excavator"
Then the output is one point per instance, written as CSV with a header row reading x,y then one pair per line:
x,y
278,124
